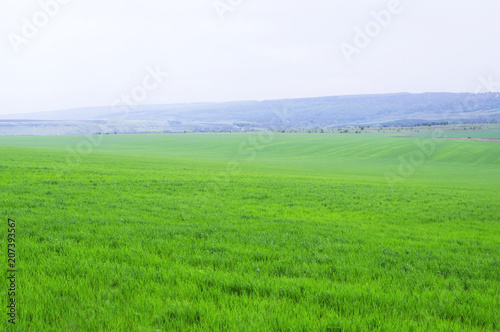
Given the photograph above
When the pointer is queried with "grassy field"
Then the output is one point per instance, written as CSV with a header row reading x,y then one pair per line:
x,y
483,130
249,232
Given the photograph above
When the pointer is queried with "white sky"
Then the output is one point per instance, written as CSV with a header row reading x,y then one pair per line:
x,y
91,52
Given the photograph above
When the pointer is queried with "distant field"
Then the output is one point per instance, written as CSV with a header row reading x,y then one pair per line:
x,y
483,130
253,232
470,133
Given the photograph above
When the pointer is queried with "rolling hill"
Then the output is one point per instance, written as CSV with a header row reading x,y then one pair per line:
x,y
321,112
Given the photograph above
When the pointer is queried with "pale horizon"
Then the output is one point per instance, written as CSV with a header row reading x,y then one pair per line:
x,y
91,54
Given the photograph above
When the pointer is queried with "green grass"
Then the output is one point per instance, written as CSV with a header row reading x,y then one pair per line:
x,y
152,232
466,133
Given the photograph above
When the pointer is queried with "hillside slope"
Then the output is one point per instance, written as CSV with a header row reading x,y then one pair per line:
x,y
336,111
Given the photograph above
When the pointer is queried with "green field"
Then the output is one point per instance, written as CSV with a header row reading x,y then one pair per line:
x,y
466,133
246,232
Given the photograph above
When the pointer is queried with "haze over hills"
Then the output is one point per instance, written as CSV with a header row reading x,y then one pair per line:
x,y
321,112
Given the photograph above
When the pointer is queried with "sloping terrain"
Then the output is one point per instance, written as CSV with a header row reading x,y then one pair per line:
x,y
386,109
302,232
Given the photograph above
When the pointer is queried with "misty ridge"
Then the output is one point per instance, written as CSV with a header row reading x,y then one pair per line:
x,y
401,109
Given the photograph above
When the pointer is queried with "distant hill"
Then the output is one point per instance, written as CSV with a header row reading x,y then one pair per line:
x,y
322,112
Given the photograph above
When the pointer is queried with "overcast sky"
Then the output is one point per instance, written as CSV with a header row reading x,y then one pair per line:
x,y
92,53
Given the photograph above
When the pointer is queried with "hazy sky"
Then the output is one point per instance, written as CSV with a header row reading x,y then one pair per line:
x,y
76,53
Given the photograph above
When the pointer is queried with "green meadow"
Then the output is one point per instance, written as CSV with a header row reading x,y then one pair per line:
x,y
252,232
